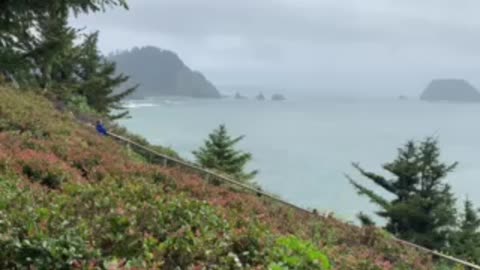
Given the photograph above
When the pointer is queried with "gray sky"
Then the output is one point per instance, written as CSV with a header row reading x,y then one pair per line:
x,y
380,47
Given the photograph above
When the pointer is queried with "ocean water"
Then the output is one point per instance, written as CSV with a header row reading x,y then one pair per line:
x,y
304,147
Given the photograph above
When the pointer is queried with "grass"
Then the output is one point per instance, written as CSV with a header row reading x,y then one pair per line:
x,y
71,199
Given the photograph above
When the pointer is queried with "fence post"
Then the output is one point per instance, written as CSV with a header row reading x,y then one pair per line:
x,y
207,177
313,233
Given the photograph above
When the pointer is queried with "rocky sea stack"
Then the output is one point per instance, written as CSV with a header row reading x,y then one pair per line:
x,y
278,97
260,97
453,90
239,96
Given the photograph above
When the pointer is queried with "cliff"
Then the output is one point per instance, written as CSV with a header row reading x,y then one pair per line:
x,y
162,73
454,90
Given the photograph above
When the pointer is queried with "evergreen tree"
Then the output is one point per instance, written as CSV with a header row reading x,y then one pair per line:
x,y
219,153
365,220
19,21
99,81
41,51
466,241
422,209
52,54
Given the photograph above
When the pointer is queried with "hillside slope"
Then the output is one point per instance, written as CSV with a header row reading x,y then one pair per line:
x,y
71,199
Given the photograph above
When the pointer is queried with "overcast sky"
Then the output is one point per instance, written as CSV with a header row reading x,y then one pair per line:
x,y
387,47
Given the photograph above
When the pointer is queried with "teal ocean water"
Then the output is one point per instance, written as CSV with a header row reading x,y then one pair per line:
x,y
304,147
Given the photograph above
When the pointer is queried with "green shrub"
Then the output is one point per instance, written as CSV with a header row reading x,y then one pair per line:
x,y
45,252
117,221
293,253
196,229
446,266
251,245
79,104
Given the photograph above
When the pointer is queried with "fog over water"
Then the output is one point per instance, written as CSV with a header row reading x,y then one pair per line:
x,y
303,147
341,63
380,47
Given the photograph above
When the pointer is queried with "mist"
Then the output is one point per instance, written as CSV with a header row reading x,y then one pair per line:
x,y
384,48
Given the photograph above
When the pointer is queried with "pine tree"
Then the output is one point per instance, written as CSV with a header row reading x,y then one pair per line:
x,y
365,220
19,21
52,53
99,81
422,209
219,153
466,240
42,52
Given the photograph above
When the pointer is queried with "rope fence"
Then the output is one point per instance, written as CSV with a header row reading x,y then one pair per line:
x,y
208,174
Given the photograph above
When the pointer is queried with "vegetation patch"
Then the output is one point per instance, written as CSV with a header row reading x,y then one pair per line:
x,y
76,200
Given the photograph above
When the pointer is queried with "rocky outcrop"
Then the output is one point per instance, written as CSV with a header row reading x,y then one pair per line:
x,y
239,96
453,90
162,73
260,97
278,97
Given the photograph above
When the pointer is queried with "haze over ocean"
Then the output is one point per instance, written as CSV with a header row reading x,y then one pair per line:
x,y
304,146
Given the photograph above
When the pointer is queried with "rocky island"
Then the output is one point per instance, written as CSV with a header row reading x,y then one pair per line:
x,y
239,96
278,97
162,73
260,97
453,90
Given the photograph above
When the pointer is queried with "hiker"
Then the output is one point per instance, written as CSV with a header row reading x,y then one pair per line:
x,y
101,129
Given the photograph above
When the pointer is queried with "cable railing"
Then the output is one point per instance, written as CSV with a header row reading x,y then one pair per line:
x,y
213,175
208,173
435,253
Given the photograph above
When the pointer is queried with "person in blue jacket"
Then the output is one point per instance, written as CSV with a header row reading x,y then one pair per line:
x,y
101,129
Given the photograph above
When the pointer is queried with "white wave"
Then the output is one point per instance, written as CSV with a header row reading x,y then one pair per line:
x,y
135,105
172,102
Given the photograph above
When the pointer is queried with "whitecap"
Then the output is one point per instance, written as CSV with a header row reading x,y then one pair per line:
x,y
172,102
135,105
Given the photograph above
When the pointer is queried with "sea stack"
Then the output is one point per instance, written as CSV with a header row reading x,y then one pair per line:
x,y
239,96
261,97
278,97
453,90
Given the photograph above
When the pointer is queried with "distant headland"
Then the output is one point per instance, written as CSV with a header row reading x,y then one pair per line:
x,y
162,73
453,90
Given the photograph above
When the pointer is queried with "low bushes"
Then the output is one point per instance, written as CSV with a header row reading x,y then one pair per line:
x,y
291,253
136,224
44,168
70,199
142,141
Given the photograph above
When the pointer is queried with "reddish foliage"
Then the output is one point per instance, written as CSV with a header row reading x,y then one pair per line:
x,y
84,156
